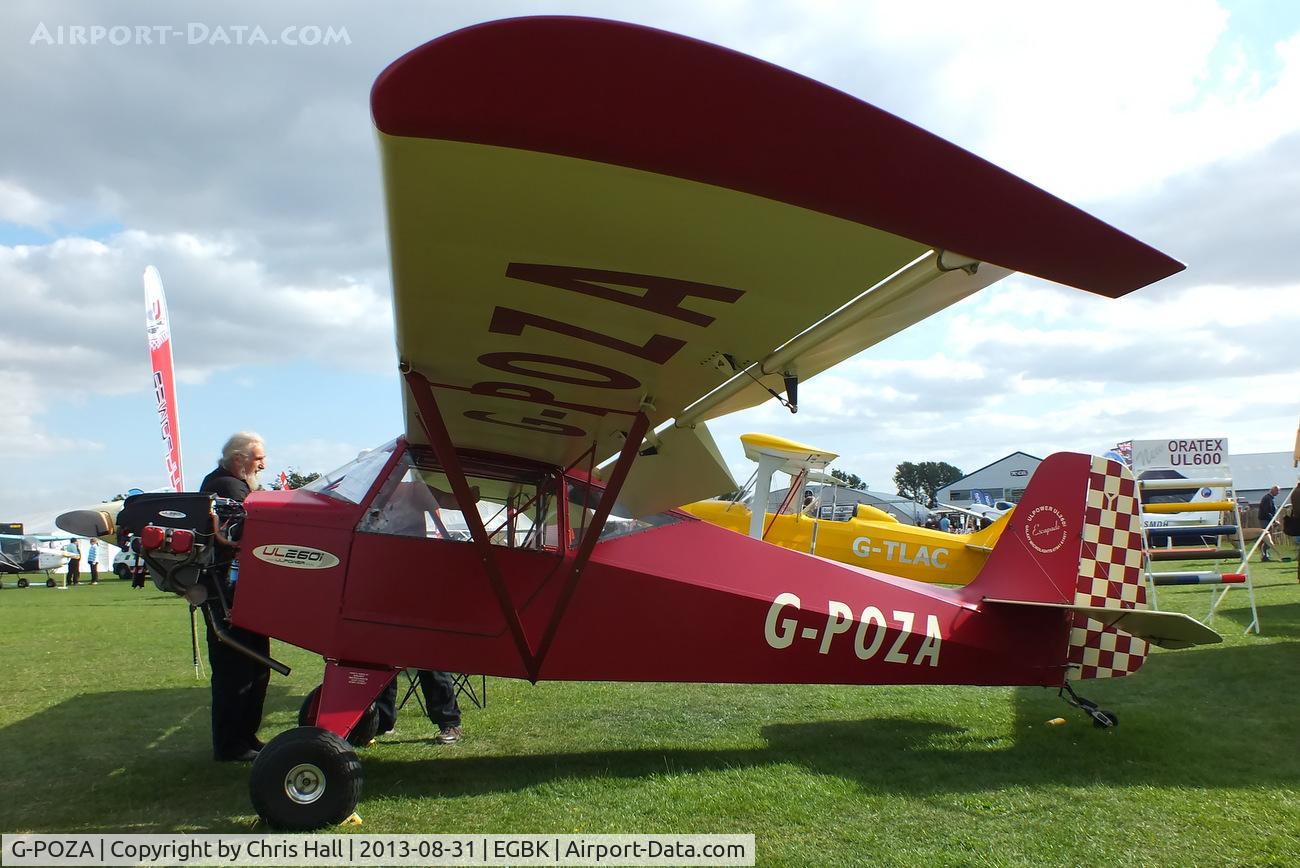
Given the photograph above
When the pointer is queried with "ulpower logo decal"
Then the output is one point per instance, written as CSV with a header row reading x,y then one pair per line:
x,y
298,557
1045,529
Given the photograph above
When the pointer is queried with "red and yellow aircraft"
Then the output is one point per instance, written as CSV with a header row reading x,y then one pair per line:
x,y
870,537
602,236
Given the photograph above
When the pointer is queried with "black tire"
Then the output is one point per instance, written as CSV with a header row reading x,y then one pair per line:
x,y
305,778
360,736
22,583
1111,719
123,572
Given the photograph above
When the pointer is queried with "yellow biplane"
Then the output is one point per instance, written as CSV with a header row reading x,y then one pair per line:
x,y
866,537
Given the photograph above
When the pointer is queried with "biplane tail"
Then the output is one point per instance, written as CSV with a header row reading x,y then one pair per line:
x,y
1074,543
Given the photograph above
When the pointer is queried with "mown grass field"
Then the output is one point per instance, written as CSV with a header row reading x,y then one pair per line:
x,y
104,728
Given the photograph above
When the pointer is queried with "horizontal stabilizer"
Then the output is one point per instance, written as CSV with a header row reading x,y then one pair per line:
x,y
1166,629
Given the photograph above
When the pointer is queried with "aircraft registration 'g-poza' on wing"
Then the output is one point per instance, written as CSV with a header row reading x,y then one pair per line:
x,y
599,230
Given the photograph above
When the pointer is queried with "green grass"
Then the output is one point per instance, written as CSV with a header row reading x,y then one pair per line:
x,y
104,728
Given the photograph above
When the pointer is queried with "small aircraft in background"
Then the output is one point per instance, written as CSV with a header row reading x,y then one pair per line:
x,y
32,553
857,533
603,236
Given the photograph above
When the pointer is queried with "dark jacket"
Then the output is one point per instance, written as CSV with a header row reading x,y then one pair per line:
x,y
1266,509
223,483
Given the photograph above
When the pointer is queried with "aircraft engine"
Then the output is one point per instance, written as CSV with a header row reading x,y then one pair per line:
x,y
177,536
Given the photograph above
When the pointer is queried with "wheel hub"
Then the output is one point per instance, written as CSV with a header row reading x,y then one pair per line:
x,y
304,783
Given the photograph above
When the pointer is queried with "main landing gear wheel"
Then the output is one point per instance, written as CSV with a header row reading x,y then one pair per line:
x,y
49,583
305,778
22,583
360,736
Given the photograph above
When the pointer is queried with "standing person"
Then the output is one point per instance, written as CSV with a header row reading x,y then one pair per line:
x,y
74,563
92,560
1267,509
944,523
238,681
138,572
1295,526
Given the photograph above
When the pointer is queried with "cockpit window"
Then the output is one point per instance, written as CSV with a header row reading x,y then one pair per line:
x,y
583,500
351,481
517,508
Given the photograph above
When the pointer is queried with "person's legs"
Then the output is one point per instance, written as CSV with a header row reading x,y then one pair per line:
x,y
256,679
94,574
228,742
238,693
440,701
386,705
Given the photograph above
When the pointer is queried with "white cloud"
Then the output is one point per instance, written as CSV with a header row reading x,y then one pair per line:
x,y
78,307
20,206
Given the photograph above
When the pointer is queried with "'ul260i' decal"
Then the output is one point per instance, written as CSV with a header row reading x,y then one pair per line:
x,y
868,638
298,557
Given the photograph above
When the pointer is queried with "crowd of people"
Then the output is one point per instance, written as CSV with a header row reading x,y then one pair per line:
x,y
956,522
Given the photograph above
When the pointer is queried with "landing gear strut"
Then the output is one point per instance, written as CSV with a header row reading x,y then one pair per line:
x,y
1101,718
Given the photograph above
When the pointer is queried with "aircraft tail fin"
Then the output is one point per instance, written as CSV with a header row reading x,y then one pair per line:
x,y
1074,543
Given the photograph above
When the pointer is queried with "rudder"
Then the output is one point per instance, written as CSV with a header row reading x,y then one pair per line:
x,y
1075,540
1110,575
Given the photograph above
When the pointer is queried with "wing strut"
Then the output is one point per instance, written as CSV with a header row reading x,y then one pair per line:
x,y
614,484
436,429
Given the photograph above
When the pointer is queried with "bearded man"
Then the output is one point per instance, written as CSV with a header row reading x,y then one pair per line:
x,y
238,682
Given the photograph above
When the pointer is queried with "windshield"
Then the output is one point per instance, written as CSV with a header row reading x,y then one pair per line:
x,y
351,481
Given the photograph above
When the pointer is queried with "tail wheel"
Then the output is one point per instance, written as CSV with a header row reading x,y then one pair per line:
x,y
360,735
305,778
1104,719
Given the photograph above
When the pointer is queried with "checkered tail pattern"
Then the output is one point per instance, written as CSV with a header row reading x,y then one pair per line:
x,y
1110,575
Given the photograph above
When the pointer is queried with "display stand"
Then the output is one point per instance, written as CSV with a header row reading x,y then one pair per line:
x,y
1187,543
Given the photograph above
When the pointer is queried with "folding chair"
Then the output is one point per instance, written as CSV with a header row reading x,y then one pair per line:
x,y
465,687
462,683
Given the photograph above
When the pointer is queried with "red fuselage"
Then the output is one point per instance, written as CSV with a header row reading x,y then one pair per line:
x,y
683,601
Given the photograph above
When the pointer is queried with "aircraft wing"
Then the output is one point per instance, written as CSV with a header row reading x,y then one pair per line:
x,y
589,218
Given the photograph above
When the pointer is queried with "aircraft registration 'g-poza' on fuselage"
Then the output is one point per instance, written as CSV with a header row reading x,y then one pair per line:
x,y
603,236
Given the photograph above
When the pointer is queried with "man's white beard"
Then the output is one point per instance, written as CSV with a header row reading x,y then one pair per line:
x,y
250,478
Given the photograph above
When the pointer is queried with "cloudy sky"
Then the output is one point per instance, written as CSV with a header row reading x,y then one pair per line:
x,y
248,175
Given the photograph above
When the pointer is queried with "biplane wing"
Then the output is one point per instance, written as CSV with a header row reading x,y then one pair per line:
x,y
588,219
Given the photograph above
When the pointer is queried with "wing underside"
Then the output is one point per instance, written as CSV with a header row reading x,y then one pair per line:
x,y
576,238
